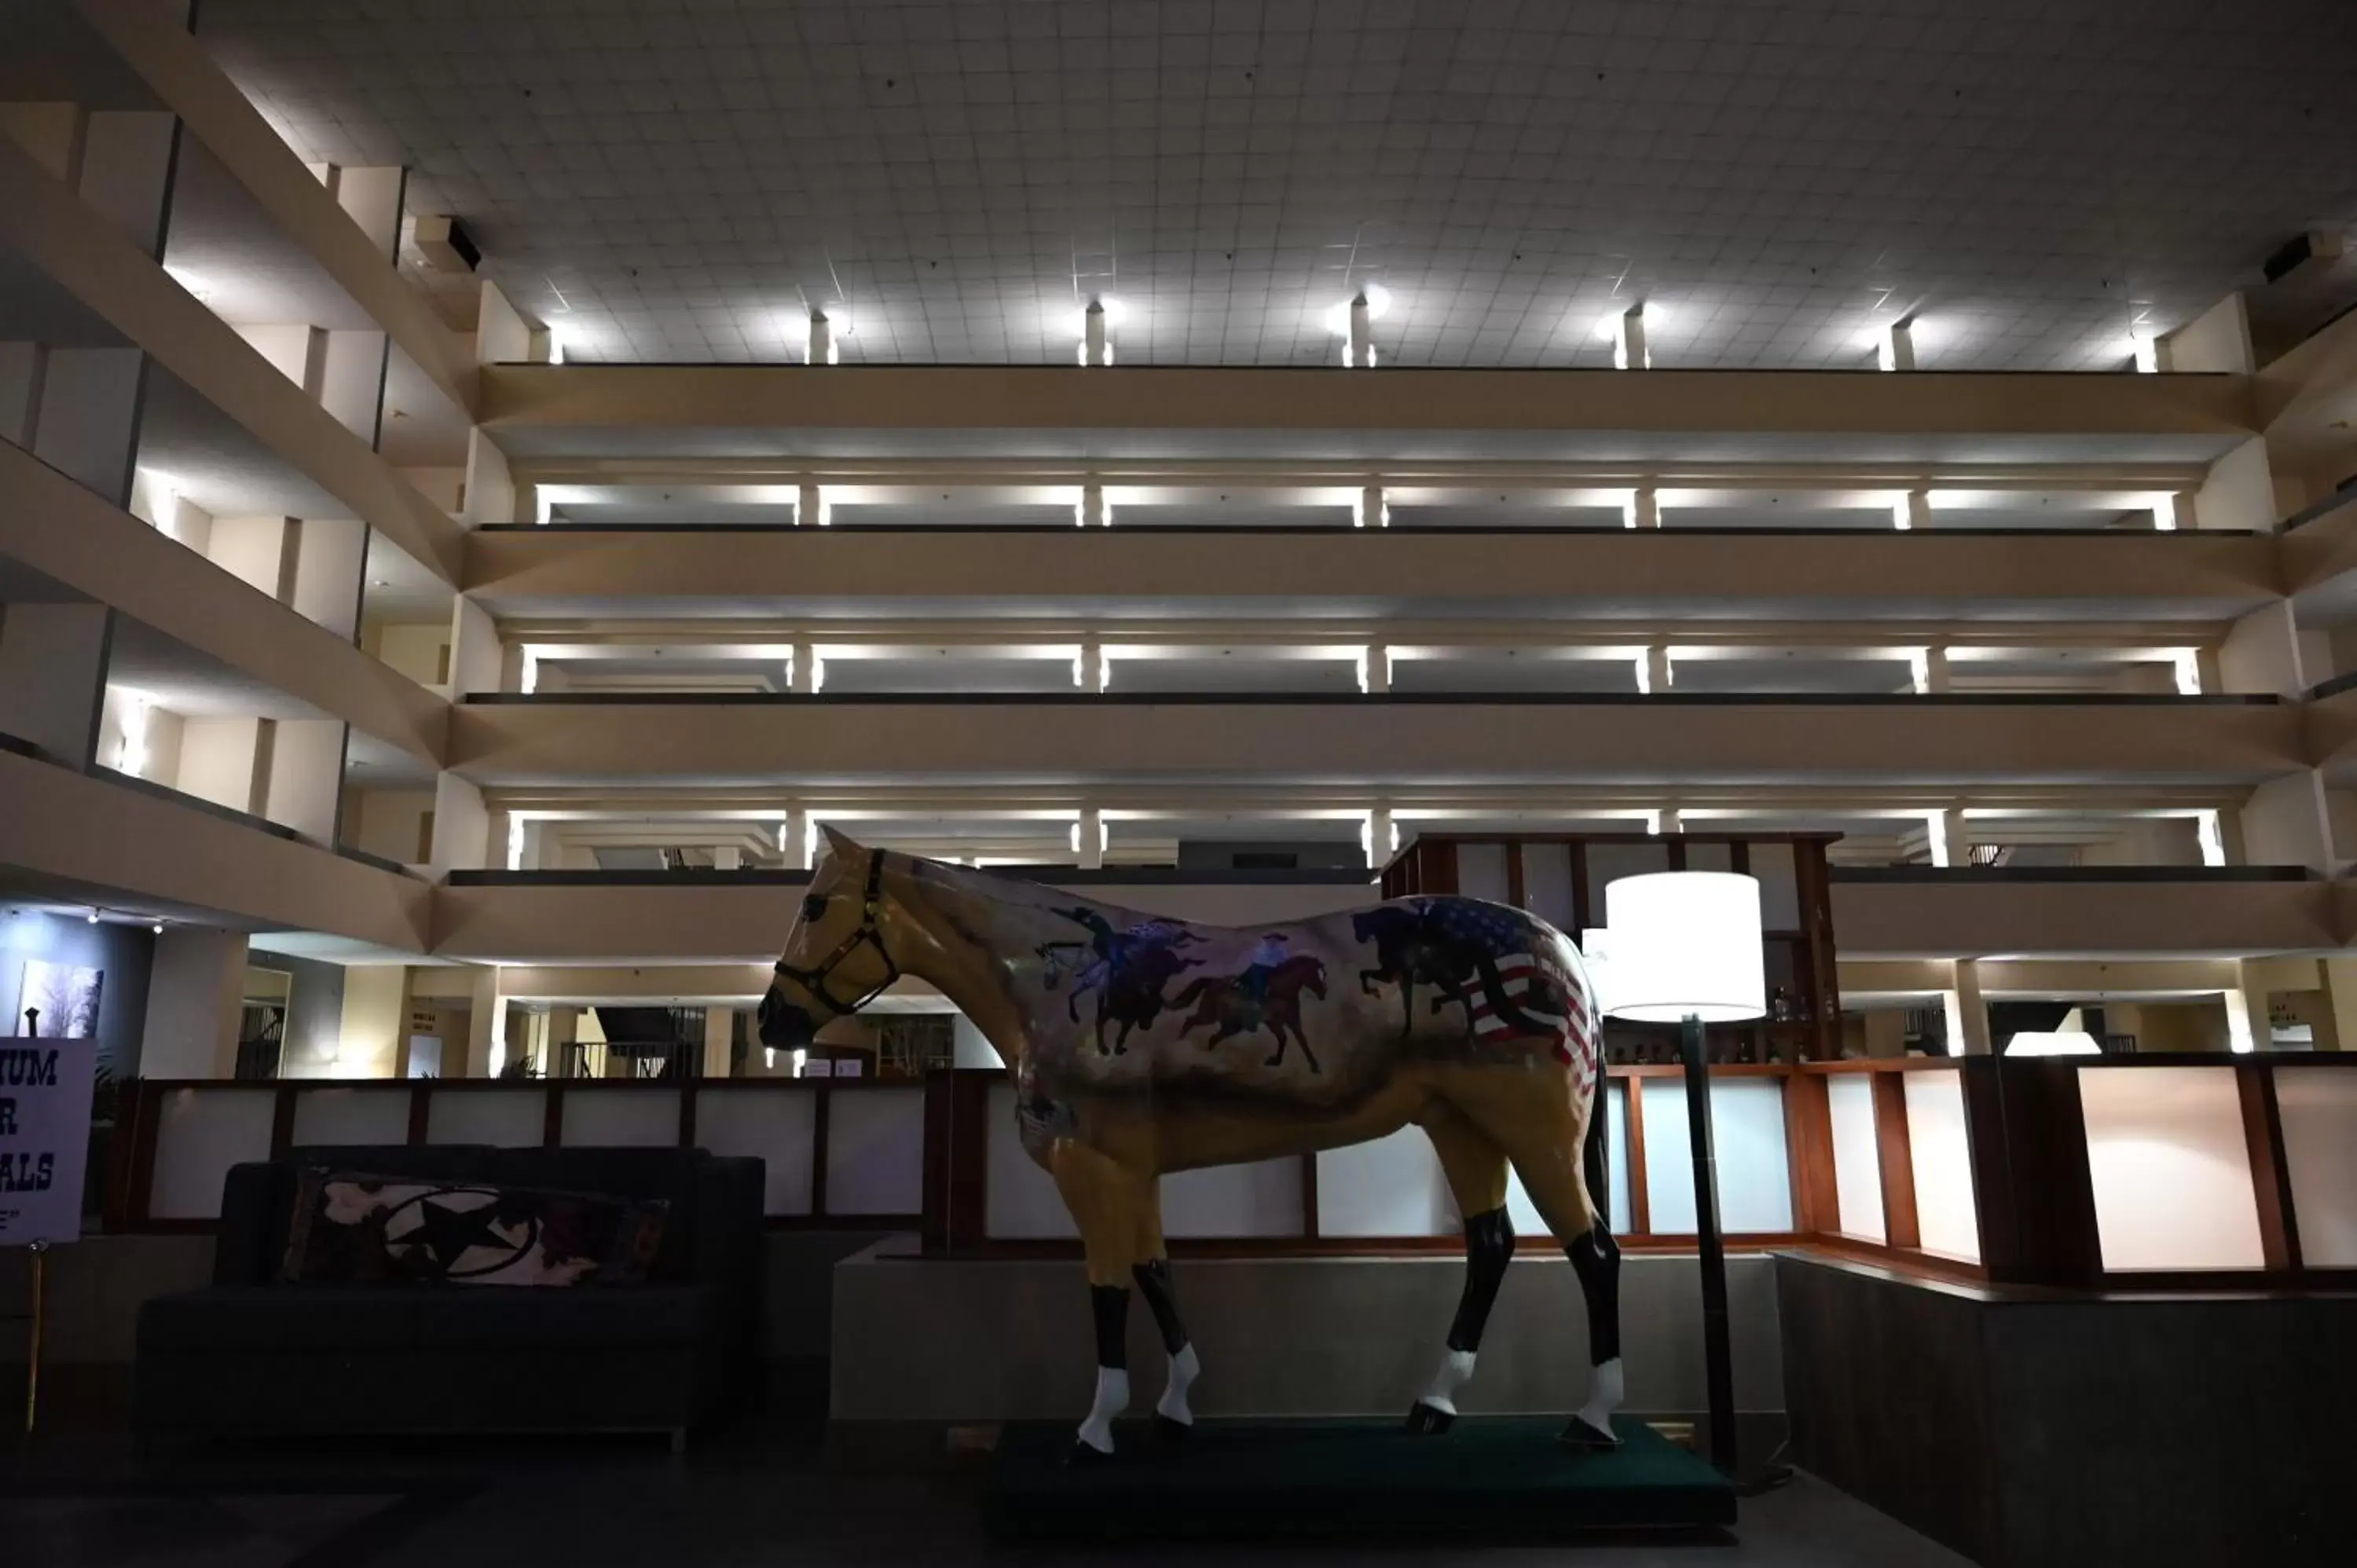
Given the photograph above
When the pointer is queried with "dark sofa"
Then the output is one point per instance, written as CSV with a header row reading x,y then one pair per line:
x,y
250,1356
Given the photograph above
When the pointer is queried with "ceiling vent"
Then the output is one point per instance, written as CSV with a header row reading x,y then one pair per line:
x,y
445,244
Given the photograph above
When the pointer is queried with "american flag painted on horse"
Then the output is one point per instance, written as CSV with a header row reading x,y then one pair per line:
x,y
1545,998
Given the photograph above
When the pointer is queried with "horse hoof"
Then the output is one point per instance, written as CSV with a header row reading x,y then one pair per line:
x,y
1587,1438
1425,1421
1083,1457
1168,1431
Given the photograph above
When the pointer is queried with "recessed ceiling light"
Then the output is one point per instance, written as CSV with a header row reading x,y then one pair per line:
x,y
157,928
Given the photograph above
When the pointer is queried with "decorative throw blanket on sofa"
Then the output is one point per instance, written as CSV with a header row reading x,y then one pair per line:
x,y
353,1228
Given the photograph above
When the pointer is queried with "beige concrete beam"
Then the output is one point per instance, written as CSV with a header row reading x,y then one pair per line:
x,y
58,528
168,56
1875,919
1267,399
70,827
107,272
554,572
1108,738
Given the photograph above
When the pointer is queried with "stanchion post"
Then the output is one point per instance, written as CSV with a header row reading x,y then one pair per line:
x,y
33,1362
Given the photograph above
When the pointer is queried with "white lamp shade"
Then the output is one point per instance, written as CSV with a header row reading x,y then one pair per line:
x,y
1686,944
1596,953
2053,1043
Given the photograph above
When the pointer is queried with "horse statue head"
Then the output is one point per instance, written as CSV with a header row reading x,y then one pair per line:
x,y
846,947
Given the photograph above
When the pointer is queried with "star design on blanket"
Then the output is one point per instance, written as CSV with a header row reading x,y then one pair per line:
x,y
445,1227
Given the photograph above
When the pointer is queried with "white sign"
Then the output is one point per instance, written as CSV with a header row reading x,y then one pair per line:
x,y
44,1138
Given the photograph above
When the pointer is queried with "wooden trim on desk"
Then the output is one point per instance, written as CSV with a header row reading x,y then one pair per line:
x,y
2270,1172
1894,1155
1640,1199
1809,1152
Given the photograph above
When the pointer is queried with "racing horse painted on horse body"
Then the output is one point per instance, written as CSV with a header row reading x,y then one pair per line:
x,y
1499,1068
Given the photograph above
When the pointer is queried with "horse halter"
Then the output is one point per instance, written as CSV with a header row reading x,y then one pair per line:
x,y
814,980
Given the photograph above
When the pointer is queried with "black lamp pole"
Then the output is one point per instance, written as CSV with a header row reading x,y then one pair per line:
x,y
1718,1355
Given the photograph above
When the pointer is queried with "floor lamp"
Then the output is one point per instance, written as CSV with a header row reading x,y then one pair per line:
x,y
1685,949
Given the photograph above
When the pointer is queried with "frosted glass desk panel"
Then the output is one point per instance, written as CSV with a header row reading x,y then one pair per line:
x,y
345,1117
2319,1132
1394,1187
622,1118
1946,1217
1858,1156
1020,1202
503,1118
875,1150
775,1124
200,1133
2170,1169
1755,1181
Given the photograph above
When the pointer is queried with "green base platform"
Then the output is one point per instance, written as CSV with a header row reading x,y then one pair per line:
x,y
1490,1476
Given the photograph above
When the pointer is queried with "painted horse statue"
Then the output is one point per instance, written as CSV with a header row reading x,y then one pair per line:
x,y
1499,1067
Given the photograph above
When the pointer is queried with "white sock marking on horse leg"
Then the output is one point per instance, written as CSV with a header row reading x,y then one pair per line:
x,y
1112,1398
1604,1392
1456,1370
1185,1368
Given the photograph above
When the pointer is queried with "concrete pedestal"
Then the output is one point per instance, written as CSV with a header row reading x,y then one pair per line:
x,y
922,1344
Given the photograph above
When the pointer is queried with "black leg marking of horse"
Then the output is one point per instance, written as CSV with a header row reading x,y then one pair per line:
x,y
1109,1308
1596,1259
1489,1248
1173,1418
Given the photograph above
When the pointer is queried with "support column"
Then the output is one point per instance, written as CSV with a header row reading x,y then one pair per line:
x,y
1378,831
1628,350
2240,492
227,761
126,171
476,657
2260,654
196,993
1949,836
1375,668
2289,821
305,783
1654,670
819,346
331,564
1967,1012
793,839
1642,508
810,507
720,1033
53,661
487,1027
1896,349
1089,511
2176,511
20,391
462,828
1930,668
2248,1029
1097,348
1371,510
808,673
727,858
88,426
1911,511
1358,350
1667,820
1088,838
1090,671
2340,990
490,488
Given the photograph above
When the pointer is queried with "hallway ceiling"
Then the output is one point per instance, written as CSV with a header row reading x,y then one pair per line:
x,y
2033,177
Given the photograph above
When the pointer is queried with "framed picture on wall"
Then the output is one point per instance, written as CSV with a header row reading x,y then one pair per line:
x,y
66,997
